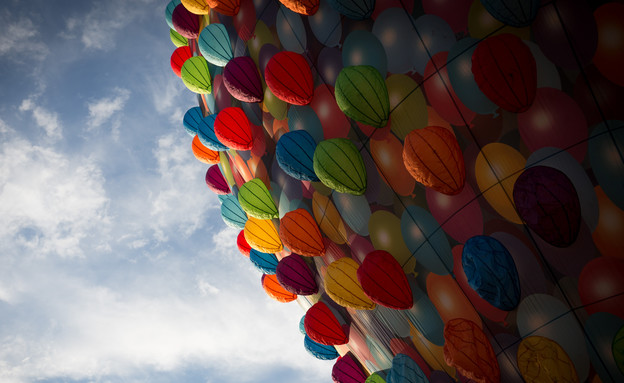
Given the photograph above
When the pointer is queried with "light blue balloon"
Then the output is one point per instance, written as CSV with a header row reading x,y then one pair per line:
x,y
601,328
305,118
424,316
426,240
169,12
207,136
290,30
354,9
434,36
265,262
459,67
326,25
606,154
394,28
214,44
354,210
192,119
364,48
232,213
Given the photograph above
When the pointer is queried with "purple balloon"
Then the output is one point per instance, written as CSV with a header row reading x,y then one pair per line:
x,y
216,182
242,79
294,274
329,64
185,22
547,201
266,52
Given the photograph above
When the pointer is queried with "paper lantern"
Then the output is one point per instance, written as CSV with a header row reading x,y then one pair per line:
x,y
178,58
541,359
216,182
339,165
491,272
232,213
214,44
505,71
225,7
195,75
232,128
192,119
262,235
169,11
319,351
198,7
265,262
204,154
288,76
341,284
207,135
295,275
255,199
468,349
433,157
322,326
347,370
242,80
300,233
242,244
185,22
295,155
547,201
273,289
303,7
361,94
383,280
177,39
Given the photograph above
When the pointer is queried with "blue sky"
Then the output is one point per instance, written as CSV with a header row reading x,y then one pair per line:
x,y
115,265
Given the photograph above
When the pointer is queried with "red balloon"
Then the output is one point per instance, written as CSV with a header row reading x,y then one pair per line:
x,y
179,57
322,326
505,71
216,182
232,128
601,286
185,22
384,282
289,77
225,7
242,79
334,122
242,244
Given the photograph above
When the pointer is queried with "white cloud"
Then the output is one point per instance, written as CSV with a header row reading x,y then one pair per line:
x,y
44,118
19,36
105,109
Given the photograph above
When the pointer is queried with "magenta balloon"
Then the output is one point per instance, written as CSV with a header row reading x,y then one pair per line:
x,y
216,182
294,274
566,31
185,22
556,120
462,211
360,247
242,79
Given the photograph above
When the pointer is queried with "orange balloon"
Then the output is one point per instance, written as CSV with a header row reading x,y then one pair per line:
x,y
204,154
274,289
301,234
608,236
225,7
609,58
387,154
449,299
304,7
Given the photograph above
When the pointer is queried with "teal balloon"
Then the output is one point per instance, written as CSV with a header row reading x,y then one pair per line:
x,y
232,213
207,136
606,154
215,45
601,329
364,48
405,370
426,240
320,351
290,30
459,67
305,118
169,12
424,316
326,25
266,263
354,210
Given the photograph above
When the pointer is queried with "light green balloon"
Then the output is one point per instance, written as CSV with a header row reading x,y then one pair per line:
x,y
339,165
256,201
196,76
177,39
375,378
361,94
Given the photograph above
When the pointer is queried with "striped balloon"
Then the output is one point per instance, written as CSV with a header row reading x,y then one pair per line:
x,y
341,284
300,233
255,199
361,94
272,287
242,80
196,76
204,154
339,165
214,44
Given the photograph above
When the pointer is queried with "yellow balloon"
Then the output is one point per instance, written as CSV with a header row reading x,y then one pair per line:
x,y
341,284
198,7
385,233
497,167
431,353
328,218
275,106
407,103
543,360
262,235
481,24
262,35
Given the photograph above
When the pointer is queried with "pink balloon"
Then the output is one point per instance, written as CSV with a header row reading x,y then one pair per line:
x,y
442,96
459,215
360,247
555,120
334,122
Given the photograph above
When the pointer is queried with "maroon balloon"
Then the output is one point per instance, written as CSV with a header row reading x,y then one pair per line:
x,y
347,370
384,281
547,201
185,22
294,274
242,79
216,182
505,71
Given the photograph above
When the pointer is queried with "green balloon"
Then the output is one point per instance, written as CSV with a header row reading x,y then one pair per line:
x,y
339,165
196,76
177,39
375,378
361,94
617,347
255,199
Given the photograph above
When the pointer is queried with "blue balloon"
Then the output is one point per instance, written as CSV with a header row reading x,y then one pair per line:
x,y
290,30
601,329
393,27
207,136
302,326
364,48
265,262
354,9
354,210
434,35
491,272
169,12
214,44
424,316
305,118
326,25
192,119
295,152
426,240
405,370
232,213
606,154
513,12
320,351
459,64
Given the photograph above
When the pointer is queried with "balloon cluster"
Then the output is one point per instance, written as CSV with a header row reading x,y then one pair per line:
x,y
440,184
